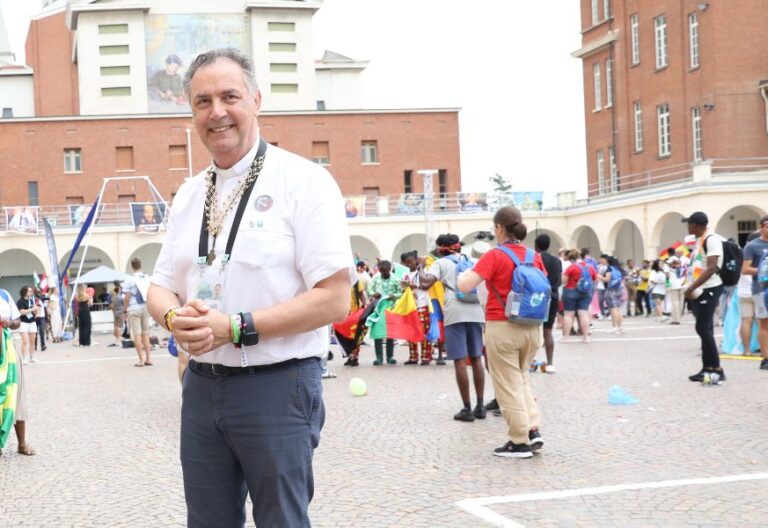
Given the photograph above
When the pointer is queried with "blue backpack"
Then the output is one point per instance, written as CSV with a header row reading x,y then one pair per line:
x,y
463,264
528,300
762,272
614,283
584,284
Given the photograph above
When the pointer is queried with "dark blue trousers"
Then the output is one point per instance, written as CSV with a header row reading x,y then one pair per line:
x,y
252,434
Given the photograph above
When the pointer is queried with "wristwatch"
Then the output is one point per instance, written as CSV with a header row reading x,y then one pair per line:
x,y
249,336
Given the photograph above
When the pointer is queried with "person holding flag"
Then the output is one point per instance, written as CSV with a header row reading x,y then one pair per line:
x,y
385,288
410,259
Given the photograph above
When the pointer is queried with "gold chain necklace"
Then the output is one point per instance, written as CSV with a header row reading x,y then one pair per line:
x,y
215,216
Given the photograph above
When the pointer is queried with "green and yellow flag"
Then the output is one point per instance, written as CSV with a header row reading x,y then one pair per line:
x,y
9,385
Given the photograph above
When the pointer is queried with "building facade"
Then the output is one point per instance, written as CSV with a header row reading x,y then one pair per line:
x,y
670,84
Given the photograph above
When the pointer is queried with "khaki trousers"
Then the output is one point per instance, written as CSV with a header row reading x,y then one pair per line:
x,y
511,348
676,299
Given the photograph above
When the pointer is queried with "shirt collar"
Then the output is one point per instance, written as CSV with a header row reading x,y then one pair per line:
x,y
241,166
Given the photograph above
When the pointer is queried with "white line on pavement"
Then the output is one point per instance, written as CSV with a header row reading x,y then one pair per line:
x,y
478,506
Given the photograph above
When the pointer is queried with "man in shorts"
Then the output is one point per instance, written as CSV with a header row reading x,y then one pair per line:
x,y
138,316
463,326
753,253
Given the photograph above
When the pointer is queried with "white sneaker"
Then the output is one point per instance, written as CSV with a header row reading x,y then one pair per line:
x,y
548,369
24,361
32,360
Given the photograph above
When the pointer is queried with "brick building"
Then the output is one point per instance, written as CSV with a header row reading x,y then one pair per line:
x,y
96,115
672,84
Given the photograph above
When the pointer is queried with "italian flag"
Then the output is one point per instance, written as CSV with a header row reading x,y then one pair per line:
x,y
397,320
41,283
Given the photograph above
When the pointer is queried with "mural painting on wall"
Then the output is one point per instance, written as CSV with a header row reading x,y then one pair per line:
x,y
410,203
147,216
529,201
173,42
78,213
470,202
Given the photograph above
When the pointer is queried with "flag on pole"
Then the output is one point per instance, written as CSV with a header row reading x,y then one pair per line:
x,y
41,283
398,320
80,236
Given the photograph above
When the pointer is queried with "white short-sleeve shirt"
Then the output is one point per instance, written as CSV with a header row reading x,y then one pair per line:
x,y
293,235
8,308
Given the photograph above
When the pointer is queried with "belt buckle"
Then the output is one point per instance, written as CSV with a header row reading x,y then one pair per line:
x,y
213,370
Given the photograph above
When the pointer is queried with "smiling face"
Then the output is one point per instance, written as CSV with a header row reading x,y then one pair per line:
x,y
223,111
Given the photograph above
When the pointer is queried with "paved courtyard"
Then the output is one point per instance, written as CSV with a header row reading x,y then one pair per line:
x,y
106,435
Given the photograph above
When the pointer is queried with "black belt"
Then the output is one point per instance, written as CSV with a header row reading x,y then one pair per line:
x,y
216,369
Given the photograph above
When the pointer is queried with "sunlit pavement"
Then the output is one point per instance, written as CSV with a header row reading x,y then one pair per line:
x,y
106,435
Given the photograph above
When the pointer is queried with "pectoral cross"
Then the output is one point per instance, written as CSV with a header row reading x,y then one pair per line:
x,y
211,257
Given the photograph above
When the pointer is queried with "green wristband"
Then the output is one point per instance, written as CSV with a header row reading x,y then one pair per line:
x,y
235,329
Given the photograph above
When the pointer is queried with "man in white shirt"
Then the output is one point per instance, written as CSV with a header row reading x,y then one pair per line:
x,y
704,290
135,306
258,257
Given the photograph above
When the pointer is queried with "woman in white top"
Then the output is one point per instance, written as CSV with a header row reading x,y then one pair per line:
x,y
657,285
676,289
54,307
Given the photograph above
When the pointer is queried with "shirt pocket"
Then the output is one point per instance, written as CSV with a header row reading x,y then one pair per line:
x,y
264,248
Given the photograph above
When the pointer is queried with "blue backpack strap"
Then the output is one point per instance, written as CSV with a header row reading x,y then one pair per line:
x,y
529,256
6,296
510,254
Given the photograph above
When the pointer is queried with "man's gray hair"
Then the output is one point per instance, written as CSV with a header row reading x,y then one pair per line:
x,y
209,57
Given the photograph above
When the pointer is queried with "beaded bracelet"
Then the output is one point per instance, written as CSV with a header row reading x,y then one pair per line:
x,y
234,323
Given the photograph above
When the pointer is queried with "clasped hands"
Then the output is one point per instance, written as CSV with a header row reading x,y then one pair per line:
x,y
198,329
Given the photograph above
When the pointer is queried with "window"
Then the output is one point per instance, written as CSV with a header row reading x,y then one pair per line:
x,y
282,46
595,12
281,26
660,25
614,186
177,157
74,200
321,105
7,113
696,128
609,82
321,153
442,177
72,160
124,158
638,126
34,199
111,29
369,152
282,67
606,9
126,198
114,50
284,88
116,91
665,140
598,90
693,35
408,181
635,36
115,70
600,172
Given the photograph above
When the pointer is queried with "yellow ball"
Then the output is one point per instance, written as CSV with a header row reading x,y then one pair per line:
x,y
357,387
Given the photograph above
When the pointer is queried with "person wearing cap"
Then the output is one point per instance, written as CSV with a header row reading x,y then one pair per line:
x,y
704,290
753,254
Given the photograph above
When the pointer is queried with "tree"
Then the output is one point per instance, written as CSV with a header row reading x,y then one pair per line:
x,y
500,184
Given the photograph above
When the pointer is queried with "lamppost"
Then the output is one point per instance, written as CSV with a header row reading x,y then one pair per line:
x,y
429,207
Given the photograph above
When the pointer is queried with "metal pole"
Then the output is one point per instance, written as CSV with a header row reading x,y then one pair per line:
x,y
429,207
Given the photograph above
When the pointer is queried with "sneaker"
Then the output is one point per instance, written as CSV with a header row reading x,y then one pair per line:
x,y
441,361
764,364
510,450
411,362
479,412
328,375
464,415
698,377
352,362
492,405
32,360
548,369
425,363
534,437
113,345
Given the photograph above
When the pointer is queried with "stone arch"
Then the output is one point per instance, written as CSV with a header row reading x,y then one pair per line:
x,y
626,241
556,241
148,254
364,248
417,241
585,236
668,230
94,258
17,266
738,222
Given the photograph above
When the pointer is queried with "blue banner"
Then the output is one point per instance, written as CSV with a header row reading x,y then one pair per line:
x,y
83,231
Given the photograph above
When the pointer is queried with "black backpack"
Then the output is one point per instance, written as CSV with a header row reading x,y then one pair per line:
x,y
732,261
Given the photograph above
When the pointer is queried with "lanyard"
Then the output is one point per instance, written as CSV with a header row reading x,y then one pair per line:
x,y
203,256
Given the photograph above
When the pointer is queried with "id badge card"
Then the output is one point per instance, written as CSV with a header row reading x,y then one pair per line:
x,y
210,285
